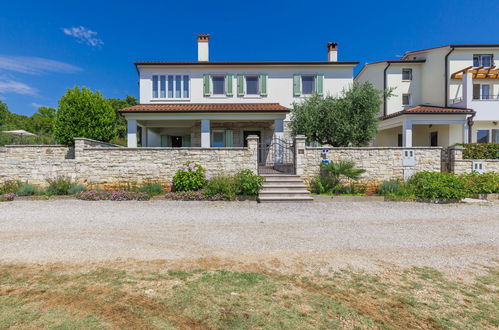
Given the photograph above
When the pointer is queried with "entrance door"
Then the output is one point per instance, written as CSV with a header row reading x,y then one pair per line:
x,y
176,141
433,139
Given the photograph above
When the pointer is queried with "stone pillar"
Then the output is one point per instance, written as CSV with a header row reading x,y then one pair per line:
x,y
300,154
253,149
407,133
132,133
455,154
205,134
79,146
143,137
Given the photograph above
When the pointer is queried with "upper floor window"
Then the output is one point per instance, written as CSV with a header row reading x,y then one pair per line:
x,y
406,99
406,74
252,85
170,87
307,85
483,60
218,85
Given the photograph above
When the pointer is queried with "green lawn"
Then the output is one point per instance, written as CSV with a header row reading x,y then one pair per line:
x,y
72,298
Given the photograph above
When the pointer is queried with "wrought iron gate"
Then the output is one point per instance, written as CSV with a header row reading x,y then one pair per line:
x,y
278,157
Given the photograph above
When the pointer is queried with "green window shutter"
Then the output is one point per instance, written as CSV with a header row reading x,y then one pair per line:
x,y
228,85
206,85
263,85
186,140
319,80
296,85
229,138
165,140
240,85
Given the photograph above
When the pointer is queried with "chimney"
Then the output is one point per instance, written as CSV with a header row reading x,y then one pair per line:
x,y
332,51
203,40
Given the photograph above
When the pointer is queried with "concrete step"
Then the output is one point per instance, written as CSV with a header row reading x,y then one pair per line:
x,y
273,193
283,178
284,187
266,199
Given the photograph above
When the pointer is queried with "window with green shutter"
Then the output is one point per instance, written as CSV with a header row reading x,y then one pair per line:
x,y
320,84
228,86
206,85
296,85
263,85
240,85
186,140
229,138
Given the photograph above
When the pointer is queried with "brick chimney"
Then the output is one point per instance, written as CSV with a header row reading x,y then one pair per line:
x,y
203,41
332,51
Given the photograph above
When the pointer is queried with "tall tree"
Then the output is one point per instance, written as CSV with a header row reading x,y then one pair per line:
x,y
117,104
347,120
42,121
83,113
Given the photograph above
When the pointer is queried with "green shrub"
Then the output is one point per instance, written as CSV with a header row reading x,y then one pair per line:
x,y
480,150
227,186
76,189
337,178
437,186
190,177
10,187
152,189
485,183
390,187
26,189
248,183
59,186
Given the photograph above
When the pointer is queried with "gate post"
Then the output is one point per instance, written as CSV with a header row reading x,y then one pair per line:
x,y
253,149
299,154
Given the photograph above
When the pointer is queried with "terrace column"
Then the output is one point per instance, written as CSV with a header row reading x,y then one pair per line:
x,y
407,133
279,129
466,129
205,133
132,133
143,138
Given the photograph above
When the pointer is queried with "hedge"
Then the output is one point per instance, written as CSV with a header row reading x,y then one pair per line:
x,y
480,150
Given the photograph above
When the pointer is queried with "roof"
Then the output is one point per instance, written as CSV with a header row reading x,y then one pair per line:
x,y
390,62
146,63
452,46
206,107
429,110
19,132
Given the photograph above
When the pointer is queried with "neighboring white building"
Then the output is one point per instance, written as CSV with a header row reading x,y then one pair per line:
x,y
442,96
218,104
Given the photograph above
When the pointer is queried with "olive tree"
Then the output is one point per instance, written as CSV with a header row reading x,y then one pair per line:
x,y
83,113
347,120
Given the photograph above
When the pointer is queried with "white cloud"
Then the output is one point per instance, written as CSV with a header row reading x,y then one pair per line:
x,y
35,65
16,87
83,35
38,105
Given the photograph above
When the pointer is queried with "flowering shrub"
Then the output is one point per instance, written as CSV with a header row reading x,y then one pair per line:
x,y
9,197
194,196
190,177
120,195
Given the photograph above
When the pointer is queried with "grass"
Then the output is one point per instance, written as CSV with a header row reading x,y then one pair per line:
x,y
75,298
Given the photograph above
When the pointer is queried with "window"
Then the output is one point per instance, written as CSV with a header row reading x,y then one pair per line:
x,y
482,60
218,139
218,85
495,135
252,87
170,86
485,92
406,74
406,99
482,136
433,139
307,84
481,92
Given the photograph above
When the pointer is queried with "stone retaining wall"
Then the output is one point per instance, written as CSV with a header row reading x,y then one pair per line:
x,y
459,165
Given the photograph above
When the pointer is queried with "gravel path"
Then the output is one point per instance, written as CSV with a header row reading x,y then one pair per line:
x,y
449,237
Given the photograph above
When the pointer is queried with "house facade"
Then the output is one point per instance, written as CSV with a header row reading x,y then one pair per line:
x,y
219,104
441,96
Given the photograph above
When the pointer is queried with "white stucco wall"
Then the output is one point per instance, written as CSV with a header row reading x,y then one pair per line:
x,y
374,74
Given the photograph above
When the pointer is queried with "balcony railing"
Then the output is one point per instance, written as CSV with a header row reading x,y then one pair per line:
x,y
486,98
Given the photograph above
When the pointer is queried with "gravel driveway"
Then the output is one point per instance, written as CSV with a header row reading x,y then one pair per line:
x,y
450,237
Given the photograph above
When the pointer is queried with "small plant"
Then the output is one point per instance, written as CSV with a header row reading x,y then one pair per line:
x,y
76,188
152,189
9,197
226,186
59,186
337,178
193,196
190,177
10,187
115,195
396,190
26,189
476,183
437,186
248,183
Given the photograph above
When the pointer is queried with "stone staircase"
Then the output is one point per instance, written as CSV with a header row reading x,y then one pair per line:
x,y
283,188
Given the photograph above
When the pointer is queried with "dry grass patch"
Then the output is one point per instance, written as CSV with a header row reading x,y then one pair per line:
x,y
155,297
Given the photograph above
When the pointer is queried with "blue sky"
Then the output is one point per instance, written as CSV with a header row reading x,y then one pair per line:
x,y
49,46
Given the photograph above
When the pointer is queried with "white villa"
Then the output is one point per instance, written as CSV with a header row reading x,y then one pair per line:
x,y
218,104
442,96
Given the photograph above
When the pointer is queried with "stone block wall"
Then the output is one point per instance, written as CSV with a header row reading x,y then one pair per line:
x,y
459,165
380,163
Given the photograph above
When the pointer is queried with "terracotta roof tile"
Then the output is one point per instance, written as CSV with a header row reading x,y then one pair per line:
x,y
207,107
428,109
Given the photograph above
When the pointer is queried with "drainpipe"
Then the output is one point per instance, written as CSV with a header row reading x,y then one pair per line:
x,y
384,88
447,77
470,126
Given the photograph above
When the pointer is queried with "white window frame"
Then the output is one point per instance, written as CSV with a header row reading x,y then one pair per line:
x,y
410,73
314,85
166,98
410,100
480,61
224,76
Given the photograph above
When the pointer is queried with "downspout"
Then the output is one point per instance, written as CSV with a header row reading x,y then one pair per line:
x,y
384,88
447,77
470,126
